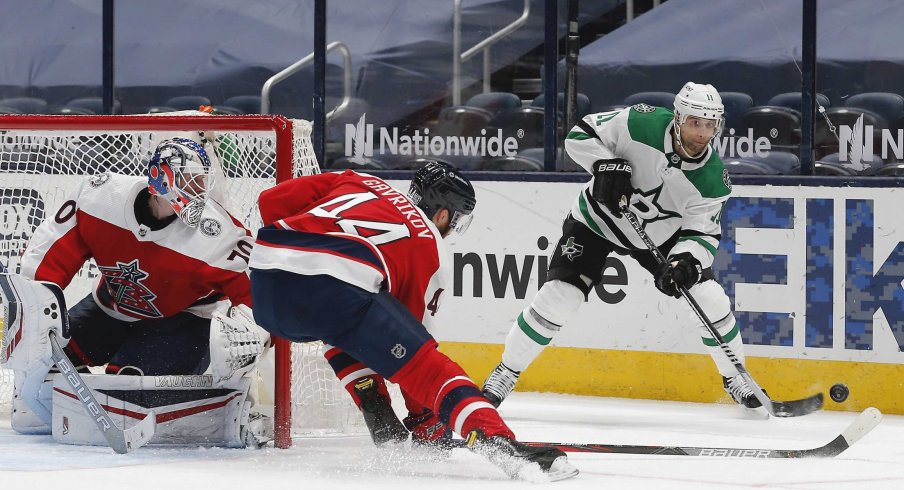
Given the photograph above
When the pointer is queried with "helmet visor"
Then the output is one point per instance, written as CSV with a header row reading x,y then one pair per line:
x,y
460,222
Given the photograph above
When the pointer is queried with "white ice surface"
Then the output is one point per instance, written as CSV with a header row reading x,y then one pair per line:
x,y
875,462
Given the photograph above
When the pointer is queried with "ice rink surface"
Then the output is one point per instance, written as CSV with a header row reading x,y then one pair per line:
x,y
875,462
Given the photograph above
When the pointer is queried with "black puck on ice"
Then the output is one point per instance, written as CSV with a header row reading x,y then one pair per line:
x,y
839,392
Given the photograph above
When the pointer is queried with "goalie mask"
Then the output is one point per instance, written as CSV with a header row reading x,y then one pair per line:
x,y
180,172
438,186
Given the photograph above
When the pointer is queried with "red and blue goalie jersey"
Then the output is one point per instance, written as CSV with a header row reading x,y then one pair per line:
x,y
331,210
145,274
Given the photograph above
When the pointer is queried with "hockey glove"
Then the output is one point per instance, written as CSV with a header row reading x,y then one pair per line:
x,y
427,430
681,270
611,182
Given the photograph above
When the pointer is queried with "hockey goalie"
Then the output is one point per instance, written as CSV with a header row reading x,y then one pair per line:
x,y
169,319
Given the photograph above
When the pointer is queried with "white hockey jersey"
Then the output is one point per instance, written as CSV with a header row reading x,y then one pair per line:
x,y
144,273
671,194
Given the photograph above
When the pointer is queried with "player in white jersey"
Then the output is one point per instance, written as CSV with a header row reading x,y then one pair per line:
x,y
173,297
676,184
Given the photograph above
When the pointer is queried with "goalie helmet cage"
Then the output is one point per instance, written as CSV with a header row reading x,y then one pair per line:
x,y
44,158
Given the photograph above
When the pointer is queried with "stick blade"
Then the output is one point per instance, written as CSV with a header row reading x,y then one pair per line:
x,y
796,408
138,435
865,422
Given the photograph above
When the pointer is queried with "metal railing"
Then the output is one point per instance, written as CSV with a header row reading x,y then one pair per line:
x,y
298,65
458,57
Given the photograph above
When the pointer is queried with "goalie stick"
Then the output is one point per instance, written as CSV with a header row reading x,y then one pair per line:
x,y
793,408
865,422
122,441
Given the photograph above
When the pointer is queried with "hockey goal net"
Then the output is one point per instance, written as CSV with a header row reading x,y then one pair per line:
x,y
43,159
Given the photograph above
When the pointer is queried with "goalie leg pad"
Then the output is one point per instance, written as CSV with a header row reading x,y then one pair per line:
x,y
717,307
34,309
190,410
24,419
553,306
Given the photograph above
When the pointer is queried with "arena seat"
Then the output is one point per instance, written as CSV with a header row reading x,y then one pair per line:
x,y
792,100
187,102
736,104
94,104
657,99
25,105
744,166
784,122
888,105
583,103
249,104
495,102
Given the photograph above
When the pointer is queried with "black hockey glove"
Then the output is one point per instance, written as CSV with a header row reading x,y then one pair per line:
x,y
681,270
611,182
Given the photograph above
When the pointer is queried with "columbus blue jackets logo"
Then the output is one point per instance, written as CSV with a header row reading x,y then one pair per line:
x,y
572,250
124,285
210,227
643,108
99,179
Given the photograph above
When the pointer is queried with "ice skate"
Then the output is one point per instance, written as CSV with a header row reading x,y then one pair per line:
x,y
499,384
522,462
381,421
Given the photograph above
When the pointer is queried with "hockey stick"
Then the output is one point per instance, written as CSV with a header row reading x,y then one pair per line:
x,y
122,441
865,422
794,408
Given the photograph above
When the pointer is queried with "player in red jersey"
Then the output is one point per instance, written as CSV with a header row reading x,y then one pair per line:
x,y
168,257
346,259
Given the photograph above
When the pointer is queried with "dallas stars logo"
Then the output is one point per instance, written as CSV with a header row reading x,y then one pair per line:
x,y
124,284
572,250
646,206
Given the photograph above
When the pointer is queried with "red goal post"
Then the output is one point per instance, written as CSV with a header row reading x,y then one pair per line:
x,y
43,157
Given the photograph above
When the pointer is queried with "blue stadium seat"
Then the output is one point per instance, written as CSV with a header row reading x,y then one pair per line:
x,y
744,166
781,162
829,168
888,105
187,102
825,141
784,122
94,104
495,102
249,104
462,121
736,104
656,99
528,119
25,105
583,103
791,100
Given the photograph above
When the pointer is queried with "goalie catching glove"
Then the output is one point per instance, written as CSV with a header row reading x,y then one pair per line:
x,y
681,269
236,343
611,183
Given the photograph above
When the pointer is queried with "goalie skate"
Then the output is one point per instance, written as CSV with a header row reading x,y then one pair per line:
x,y
522,462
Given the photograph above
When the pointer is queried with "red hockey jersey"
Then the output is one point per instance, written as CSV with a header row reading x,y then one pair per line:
x,y
144,273
414,261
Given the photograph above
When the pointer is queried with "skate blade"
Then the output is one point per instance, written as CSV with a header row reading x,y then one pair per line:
x,y
560,469
758,413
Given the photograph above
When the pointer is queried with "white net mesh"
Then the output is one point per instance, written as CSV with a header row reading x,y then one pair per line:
x,y
42,165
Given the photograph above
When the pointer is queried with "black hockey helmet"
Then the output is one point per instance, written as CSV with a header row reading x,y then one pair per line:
x,y
438,185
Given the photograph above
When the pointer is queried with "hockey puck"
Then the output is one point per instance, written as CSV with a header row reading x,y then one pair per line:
x,y
839,392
